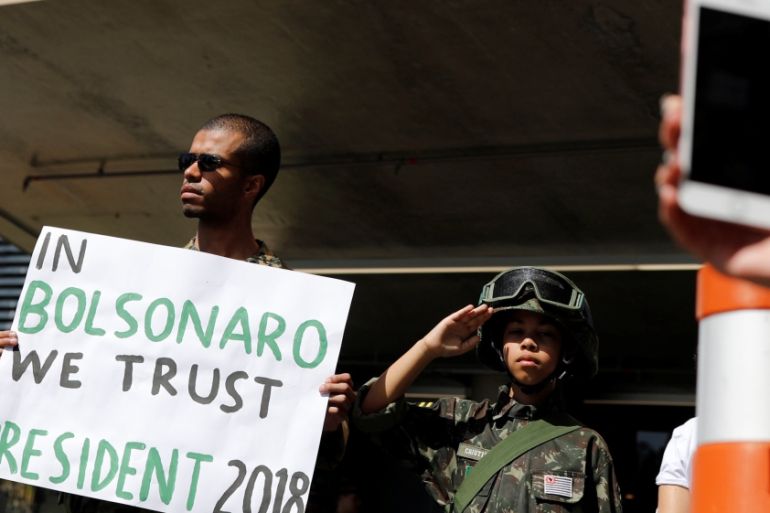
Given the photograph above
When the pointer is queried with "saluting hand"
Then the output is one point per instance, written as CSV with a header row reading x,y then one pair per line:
x,y
456,333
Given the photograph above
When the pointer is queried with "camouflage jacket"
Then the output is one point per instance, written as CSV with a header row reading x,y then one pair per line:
x,y
263,257
444,440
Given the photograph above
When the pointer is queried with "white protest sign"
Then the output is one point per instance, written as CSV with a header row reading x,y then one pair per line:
x,y
166,378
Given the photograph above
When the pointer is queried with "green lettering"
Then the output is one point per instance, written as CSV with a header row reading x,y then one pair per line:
x,y
10,437
80,297
89,328
322,343
170,315
189,312
166,482
62,457
197,458
29,452
125,315
83,462
104,449
126,469
265,338
240,317
29,307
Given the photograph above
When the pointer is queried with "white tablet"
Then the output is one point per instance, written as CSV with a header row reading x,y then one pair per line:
x,y
724,149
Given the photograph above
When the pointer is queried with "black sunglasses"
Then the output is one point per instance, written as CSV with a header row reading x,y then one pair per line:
x,y
206,162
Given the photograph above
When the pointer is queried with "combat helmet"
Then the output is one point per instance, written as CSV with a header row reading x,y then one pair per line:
x,y
548,293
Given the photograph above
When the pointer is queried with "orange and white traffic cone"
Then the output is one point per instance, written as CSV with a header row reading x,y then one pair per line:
x,y
731,469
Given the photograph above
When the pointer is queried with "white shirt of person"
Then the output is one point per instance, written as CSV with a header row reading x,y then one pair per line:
x,y
676,467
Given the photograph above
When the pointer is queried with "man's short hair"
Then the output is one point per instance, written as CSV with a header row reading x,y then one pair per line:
x,y
259,153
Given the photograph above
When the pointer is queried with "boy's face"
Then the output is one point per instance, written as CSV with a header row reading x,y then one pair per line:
x,y
531,346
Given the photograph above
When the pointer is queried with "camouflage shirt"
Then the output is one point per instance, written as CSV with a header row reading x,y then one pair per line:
x,y
262,257
444,440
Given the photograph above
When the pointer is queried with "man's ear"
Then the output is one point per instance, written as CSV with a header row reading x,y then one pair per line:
x,y
254,185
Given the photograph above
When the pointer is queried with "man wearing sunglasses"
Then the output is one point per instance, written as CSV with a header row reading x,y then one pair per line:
x,y
232,162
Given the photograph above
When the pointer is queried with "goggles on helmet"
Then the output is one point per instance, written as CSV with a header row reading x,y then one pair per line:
x,y
549,288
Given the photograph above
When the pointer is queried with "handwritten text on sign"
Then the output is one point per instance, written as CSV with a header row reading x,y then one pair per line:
x,y
170,379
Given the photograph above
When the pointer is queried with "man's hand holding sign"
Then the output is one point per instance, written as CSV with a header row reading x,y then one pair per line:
x,y
136,384
8,339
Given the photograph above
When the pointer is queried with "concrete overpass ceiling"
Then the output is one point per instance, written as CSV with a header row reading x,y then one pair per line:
x,y
468,131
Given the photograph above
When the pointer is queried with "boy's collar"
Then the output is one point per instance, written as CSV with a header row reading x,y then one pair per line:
x,y
508,406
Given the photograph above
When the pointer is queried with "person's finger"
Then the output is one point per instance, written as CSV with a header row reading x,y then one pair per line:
x,y
670,124
479,310
339,398
340,401
476,317
340,378
481,319
339,391
667,206
662,176
667,183
8,339
337,383
487,315
461,313
336,389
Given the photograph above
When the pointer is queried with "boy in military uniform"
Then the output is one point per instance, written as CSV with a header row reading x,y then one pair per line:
x,y
528,454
